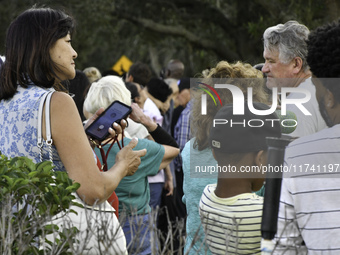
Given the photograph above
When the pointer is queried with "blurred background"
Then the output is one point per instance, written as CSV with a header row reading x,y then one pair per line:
x,y
198,32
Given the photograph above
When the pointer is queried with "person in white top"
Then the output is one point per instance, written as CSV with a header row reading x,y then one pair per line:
x,y
285,52
150,109
309,210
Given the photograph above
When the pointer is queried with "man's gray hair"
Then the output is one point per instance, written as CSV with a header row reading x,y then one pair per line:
x,y
289,39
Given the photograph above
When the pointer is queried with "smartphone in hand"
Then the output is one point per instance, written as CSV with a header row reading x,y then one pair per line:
x,y
117,111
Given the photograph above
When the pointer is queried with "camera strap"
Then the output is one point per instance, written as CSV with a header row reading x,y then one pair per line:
x,y
102,152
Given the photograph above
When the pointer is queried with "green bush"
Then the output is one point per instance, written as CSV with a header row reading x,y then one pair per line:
x,y
30,195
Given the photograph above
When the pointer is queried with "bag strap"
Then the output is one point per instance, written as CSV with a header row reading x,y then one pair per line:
x,y
46,97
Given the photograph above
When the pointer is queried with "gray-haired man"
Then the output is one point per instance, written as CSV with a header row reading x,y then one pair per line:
x,y
285,53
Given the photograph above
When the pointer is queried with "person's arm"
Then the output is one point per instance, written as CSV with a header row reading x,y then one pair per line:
x,y
169,154
77,156
168,184
164,107
161,136
158,134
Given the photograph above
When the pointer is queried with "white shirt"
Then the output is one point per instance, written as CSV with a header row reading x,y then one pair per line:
x,y
231,225
151,110
309,210
135,129
311,124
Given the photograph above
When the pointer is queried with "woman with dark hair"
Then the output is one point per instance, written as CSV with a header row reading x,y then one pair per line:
x,y
39,56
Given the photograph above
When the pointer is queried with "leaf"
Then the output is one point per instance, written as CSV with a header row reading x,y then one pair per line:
x,y
51,227
28,162
8,179
41,165
56,198
35,179
32,174
24,182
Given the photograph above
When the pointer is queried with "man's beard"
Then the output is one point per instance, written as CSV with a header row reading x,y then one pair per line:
x,y
325,114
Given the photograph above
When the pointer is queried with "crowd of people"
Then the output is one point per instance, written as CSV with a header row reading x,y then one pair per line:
x,y
152,182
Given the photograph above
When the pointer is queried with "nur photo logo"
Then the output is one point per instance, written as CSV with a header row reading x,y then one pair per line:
x,y
204,97
240,100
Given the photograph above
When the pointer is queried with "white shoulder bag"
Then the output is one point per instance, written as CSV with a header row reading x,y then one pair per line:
x,y
99,229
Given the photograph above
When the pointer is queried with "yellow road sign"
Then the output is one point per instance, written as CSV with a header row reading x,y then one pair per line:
x,y
122,65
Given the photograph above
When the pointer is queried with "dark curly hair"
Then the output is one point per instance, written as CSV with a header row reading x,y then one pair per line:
x,y
324,55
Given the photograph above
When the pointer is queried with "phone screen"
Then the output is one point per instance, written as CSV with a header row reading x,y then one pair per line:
x,y
114,113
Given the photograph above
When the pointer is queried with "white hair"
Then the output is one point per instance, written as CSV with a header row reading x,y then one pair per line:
x,y
105,91
289,40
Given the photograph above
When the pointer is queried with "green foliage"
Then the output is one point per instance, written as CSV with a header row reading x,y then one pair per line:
x,y
30,195
202,32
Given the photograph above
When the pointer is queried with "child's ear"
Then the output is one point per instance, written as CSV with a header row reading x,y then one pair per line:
x,y
261,158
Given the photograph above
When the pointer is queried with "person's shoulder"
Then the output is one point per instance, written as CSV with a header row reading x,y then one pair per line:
x,y
61,102
189,149
187,109
151,107
62,98
146,144
248,199
210,188
185,114
307,83
187,146
304,85
150,104
315,142
29,91
256,197
311,138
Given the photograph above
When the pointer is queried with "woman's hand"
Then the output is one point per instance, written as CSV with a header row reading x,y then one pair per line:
x,y
130,157
113,132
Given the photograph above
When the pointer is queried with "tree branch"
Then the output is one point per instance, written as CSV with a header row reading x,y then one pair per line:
x,y
217,47
211,13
